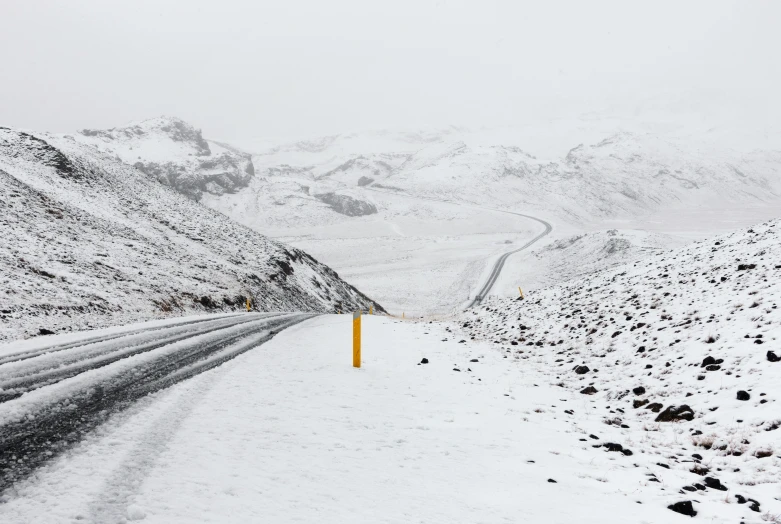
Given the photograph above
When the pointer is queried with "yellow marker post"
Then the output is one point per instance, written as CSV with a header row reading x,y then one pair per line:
x,y
357,339
402,314
520,291
249,304
371,310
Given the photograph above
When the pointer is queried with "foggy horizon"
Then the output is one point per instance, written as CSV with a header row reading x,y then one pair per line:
x,y
304,69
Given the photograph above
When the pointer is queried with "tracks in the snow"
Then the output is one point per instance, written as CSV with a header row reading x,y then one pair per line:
x,y
499,264
50,397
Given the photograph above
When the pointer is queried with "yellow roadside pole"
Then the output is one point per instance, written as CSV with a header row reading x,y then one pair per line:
x,y
249,304
402,314
371,310
357,339
520,291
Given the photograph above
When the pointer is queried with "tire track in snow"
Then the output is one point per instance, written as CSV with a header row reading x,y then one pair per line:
x,y
39,426
21,377
114,504
30,353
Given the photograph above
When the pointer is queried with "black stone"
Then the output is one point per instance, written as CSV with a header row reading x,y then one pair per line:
x,y
743,395
581,370
44,331
772,357
639,390
714,483
589,390
675,413
684,508
424,361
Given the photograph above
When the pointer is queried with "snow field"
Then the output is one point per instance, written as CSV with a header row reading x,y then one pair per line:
x,y
695,327
291,432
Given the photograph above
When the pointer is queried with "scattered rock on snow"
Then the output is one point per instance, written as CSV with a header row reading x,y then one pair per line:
x,y
684,507
714,483
589,390
772,357
743,395
675,413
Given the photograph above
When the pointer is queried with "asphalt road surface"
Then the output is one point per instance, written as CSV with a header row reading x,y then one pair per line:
x,y
51,396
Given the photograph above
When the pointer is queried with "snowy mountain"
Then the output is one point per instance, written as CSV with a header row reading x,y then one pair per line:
x,y
176,154
618,174
676,357
349,193
90,241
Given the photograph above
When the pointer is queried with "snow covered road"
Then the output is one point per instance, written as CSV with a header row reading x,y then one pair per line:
x,y
498,265
53,393
293,433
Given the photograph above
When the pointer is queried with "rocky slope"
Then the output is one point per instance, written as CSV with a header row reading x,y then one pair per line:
x,y
175,153
677,360
89,241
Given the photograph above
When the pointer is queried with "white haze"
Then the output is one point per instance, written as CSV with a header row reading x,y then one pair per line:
x,y
243,69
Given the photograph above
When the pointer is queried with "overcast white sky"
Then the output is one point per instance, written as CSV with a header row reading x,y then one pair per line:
x,y
301,68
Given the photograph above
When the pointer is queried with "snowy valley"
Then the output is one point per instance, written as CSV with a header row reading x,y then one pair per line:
x,y
639,370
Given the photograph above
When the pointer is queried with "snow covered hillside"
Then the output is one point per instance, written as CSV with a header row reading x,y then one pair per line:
x,y
175,153
90,241
570,257
678,356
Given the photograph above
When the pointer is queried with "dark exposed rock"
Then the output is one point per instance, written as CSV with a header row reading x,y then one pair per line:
x,y
743,395
424,361
347,205
772,357
590,390
639,390
44,331
676,413
714,483
581,370
709,361
655,407
684,508
639,403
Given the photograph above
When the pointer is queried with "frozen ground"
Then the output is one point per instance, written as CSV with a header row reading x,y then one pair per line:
x,y
692,334
291,432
